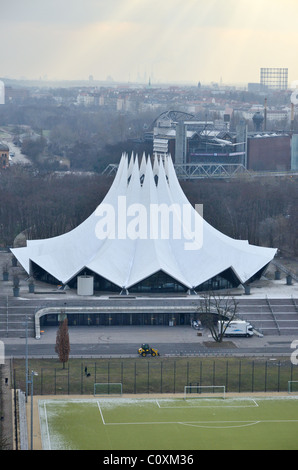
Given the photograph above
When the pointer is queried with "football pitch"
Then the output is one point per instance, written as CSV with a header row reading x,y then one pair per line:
x,y
121,423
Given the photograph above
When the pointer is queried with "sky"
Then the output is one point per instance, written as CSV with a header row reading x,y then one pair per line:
x,y
168,41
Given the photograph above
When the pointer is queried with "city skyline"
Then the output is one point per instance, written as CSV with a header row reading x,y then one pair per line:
x,y
137,40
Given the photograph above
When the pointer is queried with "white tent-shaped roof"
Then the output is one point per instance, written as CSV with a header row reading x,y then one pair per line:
x,y
126,240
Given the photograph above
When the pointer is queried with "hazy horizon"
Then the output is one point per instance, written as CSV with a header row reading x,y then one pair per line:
x,y
173,41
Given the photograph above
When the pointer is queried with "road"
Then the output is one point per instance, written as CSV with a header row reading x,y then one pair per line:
x,y
124,342
13,149
124,350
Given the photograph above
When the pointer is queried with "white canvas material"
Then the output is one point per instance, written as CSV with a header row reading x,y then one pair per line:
x,y
126,260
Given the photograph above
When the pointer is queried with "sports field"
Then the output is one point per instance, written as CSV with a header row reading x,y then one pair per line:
x,y
121,423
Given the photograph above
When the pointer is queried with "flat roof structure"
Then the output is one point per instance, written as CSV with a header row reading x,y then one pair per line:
x,y
144,227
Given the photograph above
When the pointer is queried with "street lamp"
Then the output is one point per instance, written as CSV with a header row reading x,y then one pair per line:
x,y
33,373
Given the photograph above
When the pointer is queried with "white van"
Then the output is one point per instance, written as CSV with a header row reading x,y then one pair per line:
x,y
237,328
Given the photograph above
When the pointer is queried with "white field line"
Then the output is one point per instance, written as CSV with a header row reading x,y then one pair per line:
x,y
202,424
47,426
255,404
205,424
101,413
199,425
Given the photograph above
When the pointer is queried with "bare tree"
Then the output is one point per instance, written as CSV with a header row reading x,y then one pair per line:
x,y
216,313
62,347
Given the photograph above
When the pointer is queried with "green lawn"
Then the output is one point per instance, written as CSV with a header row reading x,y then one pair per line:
x,y
169,424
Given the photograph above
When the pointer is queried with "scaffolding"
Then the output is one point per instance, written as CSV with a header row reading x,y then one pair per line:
x,y
274,78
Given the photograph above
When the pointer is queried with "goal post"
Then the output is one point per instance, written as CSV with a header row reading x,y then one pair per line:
x,y
293,386
204,391
109,388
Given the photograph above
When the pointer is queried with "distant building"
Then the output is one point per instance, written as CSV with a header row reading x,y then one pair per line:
x,y
16,95
192,141
202,142
254,87
85,99
272,115
294,152
269,152
274,78
4,156
215,146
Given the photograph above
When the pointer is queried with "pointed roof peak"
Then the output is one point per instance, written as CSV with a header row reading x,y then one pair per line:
x,y
190,252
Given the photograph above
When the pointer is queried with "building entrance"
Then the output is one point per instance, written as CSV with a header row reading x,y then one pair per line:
x,y
116,319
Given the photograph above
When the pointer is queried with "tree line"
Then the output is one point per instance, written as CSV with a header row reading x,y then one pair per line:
x,y
262,211
62,137
46,205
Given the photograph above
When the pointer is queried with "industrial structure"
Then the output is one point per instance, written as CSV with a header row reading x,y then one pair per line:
x,y
199,148
203,149
274,78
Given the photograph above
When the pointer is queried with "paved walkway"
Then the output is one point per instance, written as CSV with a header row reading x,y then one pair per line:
x,y
147,334
139,334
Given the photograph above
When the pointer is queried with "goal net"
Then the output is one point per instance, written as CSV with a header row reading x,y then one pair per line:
x,y
204,391
293,386
108,389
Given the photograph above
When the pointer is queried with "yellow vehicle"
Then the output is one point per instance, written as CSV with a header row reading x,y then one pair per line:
x,y
145,349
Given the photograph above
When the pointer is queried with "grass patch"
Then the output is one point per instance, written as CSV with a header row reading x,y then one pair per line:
x,y
140,424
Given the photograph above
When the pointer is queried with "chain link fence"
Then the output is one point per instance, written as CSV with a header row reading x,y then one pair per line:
x,y
157,375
